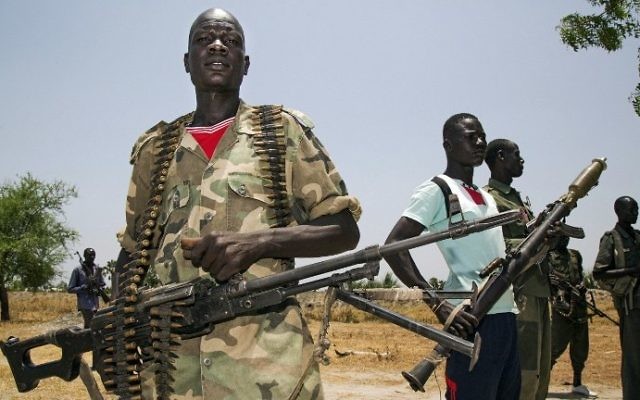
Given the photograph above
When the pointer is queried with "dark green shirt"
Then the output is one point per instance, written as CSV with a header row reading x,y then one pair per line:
x,y
535,281
606,258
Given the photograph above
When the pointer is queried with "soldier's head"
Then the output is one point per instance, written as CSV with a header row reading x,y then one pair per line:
x,y
89,255
464,140
626,209
215,58
562,242
503,158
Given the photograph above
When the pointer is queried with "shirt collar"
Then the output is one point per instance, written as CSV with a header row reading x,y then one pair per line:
x,y
501,186
623,232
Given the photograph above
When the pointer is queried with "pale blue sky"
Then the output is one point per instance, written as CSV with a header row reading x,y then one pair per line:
x,y
80,80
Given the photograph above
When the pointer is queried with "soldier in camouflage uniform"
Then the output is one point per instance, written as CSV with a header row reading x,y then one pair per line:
x,y
268,193
617,269
569,326
532,288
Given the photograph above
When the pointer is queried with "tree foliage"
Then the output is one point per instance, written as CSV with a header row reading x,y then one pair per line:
x,y
436,283
33,236
387,282
608,29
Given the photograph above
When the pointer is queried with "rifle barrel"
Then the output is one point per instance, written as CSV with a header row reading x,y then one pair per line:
x,y
375,253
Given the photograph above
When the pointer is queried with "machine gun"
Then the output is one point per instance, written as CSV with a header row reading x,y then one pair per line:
x,y
92,282
192,309
502,272
577,294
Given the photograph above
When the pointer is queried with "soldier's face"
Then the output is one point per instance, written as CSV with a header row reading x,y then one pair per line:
x,y
216,59
512,160
468,143
628,212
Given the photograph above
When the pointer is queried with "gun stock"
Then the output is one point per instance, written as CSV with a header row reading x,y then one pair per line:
x,y
72,341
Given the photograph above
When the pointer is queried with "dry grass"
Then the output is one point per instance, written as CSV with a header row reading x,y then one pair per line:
x,y
406,348
400,349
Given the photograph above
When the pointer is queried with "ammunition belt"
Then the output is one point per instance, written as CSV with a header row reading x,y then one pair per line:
x,y
124,359
270,144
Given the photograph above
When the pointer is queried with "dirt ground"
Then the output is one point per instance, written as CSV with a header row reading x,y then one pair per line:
x,y
379,352
377,374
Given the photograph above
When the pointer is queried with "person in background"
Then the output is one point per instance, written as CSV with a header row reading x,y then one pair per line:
x,y
86,282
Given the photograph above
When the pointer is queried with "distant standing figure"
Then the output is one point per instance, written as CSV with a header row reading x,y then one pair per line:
x,y
569,326
86,281
617,269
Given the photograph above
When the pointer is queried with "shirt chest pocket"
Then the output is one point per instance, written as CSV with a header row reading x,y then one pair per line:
x,y
176,199
249,201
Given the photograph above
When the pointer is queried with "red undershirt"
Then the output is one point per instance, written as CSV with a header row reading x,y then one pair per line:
x,y
208,137
476,196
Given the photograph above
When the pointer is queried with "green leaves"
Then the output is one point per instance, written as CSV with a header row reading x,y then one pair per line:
x,y
608,30
33,235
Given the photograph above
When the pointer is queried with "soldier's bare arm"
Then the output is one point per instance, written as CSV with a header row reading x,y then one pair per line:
x,y
224,254
406,270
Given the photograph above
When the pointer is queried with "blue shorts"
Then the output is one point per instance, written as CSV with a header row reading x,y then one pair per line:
x,y
496,375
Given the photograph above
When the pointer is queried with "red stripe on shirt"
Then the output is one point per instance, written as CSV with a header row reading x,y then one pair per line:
x,y
476,196
208,137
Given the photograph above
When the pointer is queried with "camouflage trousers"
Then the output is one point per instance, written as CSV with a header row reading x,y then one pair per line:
x,y
534,345
266,356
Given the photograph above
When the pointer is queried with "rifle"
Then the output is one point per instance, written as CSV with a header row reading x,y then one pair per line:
x,y
503,272
191,309
577,294
92,282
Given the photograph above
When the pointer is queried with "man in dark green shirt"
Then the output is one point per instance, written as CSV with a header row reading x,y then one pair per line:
x,y
532,288
617,269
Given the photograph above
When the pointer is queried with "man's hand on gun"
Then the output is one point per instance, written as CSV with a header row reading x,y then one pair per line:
x,y
462,324
222,254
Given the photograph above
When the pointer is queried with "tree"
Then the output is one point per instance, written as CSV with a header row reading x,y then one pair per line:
x,y
618,21
436,283
33,236
387,282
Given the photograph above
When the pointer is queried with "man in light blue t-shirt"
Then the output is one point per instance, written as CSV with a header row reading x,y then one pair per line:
x,y
497,373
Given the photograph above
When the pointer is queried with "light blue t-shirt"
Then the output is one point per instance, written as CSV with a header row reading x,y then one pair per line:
x,y
468,255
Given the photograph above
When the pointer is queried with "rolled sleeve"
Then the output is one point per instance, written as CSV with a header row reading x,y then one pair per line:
x,y
317,185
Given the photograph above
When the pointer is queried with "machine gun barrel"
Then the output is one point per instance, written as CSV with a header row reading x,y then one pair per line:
x,y
515,263
201,303
375,253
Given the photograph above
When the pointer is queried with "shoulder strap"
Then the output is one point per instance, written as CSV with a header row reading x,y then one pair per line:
x,y
451,202
618,248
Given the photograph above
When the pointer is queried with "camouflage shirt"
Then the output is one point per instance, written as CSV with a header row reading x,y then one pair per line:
x,y
567,266
255,356
534,282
